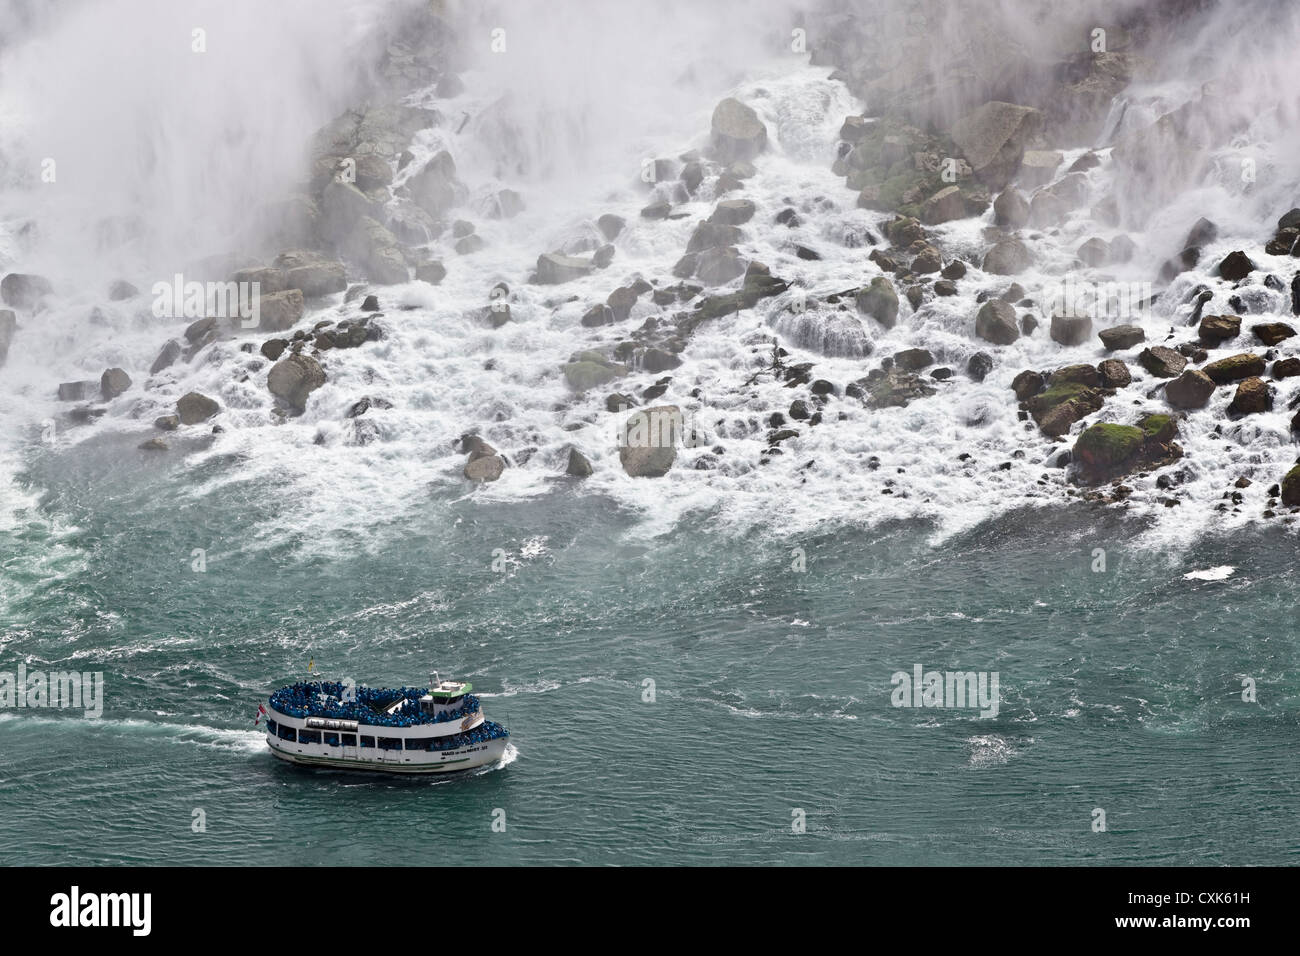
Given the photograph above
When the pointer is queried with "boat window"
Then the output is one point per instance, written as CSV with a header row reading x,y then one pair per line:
x,y
271,726
309,736
367,741
417,743
349,740
331,740
287,733
390,743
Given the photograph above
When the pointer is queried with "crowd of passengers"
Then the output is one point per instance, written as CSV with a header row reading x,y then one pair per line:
x,y
303,699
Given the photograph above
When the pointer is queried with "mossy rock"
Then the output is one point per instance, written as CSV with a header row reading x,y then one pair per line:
x,y
1061,392
1161,428
1106,447
1291,488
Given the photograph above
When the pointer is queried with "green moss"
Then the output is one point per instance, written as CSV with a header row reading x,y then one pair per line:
x,y
1059,393
1109,445
1156,425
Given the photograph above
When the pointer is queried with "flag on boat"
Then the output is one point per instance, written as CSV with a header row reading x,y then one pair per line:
x,y
261,712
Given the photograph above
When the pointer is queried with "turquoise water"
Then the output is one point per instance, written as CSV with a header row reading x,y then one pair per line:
x,y
1120,690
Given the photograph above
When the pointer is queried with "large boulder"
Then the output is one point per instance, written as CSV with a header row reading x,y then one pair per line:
x,y
8,325
996,322
733,212
378,250
435,188
294,378
1071,329
113,383
192,408
1236,266
889,388
648,441
1252,395
1121,337
1162,362
993,139
23,291
579,466
1114,374
311,273
554,268
167,357
947,204
880,301
484,468
737,132
1291,488
1063,404
1011,209
1008,257
591,369
1107,451
1192,389
1218,328
1235,367
1272,333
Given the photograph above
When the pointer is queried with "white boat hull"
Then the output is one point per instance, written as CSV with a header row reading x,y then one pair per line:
x,y
392,761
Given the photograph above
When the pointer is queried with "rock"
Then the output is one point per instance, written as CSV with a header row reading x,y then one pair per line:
x,y
716,266
657,210
1121,337
153,444
648,441
1011,209
311,273
378,251
23,291
484,468
1106,451
1289,220
1271,333
554,268
431,272
1253,395
1192,389
1008,257
113,383
996,322
947,204
1235,368
77,391
1071,330
913,360
1114,374
197,330
892,388
1236,266
1187,259
193,408
979,365
364,404
732,212
1094,252
954,270
993,139
1047,209
610,226
1286,368
272,349
167,357
1088,375
927,261
737,132
280,311
341,205
945,287
8,326
1291,488
1121,249
1202,233
578,466
1063,404
880,301
597,316
1218,328
799,410
294,378
467,246
167,423
435,188
590,370
1038,167
1162,362
120,290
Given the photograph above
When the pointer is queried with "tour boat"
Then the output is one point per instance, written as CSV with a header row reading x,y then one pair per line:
x,y
437,729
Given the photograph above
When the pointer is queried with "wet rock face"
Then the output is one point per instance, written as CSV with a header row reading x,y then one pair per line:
x,y
8,326
193,408
1008,257
554,268
648,441
889,388
1234,368
294,378
113,383
1192,389
737,132
1121,337
1162,362
996,322
1107,451
24,291
993,139
1253,395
